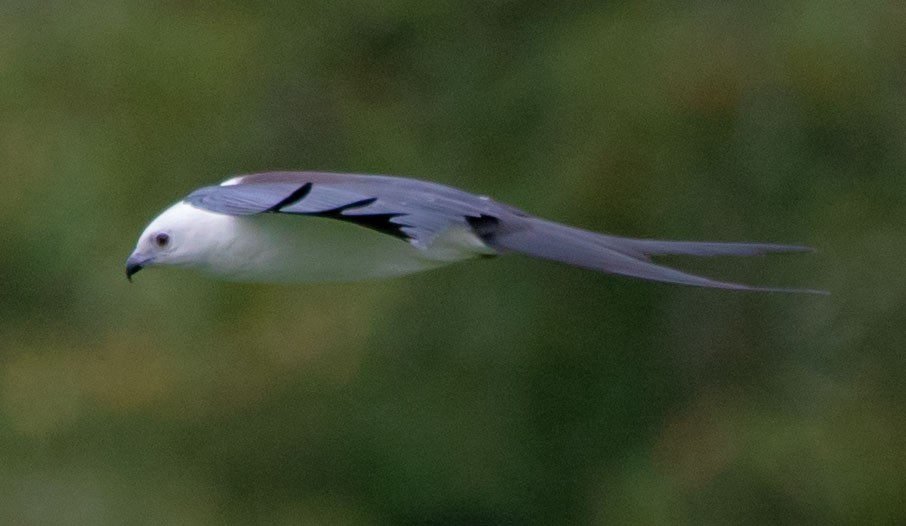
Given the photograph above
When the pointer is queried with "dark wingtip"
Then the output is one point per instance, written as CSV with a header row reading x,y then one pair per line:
x,y
803,248
785,249
817,292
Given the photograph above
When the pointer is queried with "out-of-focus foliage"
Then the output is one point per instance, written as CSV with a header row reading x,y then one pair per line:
x,y
496,392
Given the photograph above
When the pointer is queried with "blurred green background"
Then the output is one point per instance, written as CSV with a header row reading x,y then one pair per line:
x,y
509,391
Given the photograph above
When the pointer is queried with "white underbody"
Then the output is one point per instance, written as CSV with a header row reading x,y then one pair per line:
x,y
285,247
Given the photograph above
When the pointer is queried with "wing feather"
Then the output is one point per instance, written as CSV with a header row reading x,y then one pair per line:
x,y
420,211
414,210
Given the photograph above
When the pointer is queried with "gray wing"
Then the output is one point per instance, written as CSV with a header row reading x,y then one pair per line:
x,y
418,211
412,210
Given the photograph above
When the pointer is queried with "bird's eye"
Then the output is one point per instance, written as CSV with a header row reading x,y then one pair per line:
x,y
162,239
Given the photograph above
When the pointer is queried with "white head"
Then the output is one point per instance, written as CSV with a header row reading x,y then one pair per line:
x,y
182,235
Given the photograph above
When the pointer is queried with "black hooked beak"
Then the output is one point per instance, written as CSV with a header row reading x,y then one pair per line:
x,y
134,264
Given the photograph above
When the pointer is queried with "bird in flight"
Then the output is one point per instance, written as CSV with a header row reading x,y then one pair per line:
x,y
317,226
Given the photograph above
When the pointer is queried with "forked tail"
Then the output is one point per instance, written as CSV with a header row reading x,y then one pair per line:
x,y
625,256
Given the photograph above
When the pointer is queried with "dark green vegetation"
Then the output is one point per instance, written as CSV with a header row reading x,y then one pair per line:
x,y
506,391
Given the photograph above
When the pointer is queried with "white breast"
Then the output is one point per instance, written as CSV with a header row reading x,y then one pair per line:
x,y
284,247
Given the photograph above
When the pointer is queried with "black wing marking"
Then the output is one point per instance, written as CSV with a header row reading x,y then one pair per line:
x,y
293,198
382,223
418,211
409,209
307,199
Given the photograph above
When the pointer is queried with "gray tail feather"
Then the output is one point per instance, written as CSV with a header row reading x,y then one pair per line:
x,y
626,256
